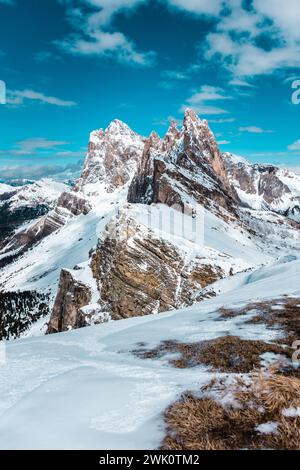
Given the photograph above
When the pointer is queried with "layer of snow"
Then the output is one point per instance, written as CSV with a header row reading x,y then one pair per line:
x,y
85,389
45,191
39,268
267,428
291,412
6,188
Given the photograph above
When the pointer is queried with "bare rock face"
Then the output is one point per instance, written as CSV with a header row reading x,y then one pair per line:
x,y
264,187
142,186
112,158
139,273
71,297
185,165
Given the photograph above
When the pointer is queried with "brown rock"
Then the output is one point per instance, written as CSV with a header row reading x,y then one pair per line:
x,y
71,297
139,273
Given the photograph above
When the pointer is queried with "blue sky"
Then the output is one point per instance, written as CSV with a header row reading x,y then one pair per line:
x,y
73,66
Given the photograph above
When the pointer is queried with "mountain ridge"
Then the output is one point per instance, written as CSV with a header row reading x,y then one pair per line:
x,y
124,176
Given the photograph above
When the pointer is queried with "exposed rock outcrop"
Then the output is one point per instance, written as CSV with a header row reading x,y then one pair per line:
x,y
71,297
111,160
140,272
185,166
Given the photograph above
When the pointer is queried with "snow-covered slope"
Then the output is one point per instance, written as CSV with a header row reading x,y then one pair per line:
x,y
151,225
45,191
6,188
121,396
22,204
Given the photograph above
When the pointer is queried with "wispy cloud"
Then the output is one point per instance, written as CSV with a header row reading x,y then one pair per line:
x,y
45,56
33,172
295,145
240,83
166,121
94,34
202,101
171,78
255,130
222,120
224,142
20,97
202,7
31,146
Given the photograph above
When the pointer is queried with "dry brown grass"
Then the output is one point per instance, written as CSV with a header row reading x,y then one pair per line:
x,y
225,354
287,319
203,424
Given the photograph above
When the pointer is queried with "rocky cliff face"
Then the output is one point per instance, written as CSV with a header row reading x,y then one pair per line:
x,y
72,295
139,268
140,272
186,166
264,187
112,158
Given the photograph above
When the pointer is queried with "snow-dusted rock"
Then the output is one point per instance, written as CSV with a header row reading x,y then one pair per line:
x,y
264,187
112,158
185,167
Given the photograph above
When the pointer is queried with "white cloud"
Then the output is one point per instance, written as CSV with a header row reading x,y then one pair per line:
x,y
202,101
201,7
174,75
39,143
240,83
94,34
222,120
237,39
295,145
224,142
242,54
30,146
72,154
59,172
255,130
166,121
285,15
19,97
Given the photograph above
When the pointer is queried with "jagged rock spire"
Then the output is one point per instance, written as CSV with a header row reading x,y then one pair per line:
x,y
112,158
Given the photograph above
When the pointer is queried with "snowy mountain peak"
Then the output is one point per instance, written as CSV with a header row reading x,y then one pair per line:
x,y
111,160
192,122
119,128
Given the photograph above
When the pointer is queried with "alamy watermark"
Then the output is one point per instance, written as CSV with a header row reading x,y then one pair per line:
x,y
176,224
296,93
2,92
